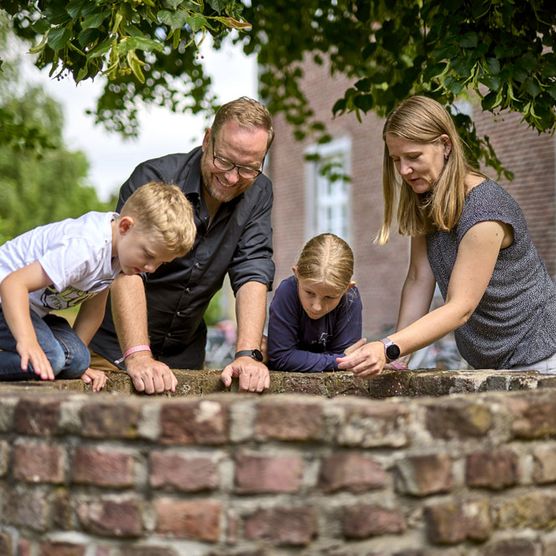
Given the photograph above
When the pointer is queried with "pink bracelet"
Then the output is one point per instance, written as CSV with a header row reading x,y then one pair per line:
x,y
134,349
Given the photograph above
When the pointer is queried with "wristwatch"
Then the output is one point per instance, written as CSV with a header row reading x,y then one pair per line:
x,y
254,353
391,349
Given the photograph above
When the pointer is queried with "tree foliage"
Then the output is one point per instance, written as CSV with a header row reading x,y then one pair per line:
x,y
501,51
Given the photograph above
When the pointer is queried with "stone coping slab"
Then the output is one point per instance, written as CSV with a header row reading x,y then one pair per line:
x,y
428,382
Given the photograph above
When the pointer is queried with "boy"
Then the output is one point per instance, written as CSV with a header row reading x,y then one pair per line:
x,y
74,262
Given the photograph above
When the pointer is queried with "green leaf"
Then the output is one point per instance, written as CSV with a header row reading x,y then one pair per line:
x,y
198,21
58,37
139,43
364,102
175,20
95,20
469,40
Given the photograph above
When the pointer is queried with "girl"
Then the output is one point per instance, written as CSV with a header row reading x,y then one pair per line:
x,y
469,236
315,315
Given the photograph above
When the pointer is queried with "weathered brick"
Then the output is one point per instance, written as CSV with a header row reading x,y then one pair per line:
x,y
6,543
533,417
421,475
27,507
24,547
458,419
37,416
189,519
365,520
61,510
111,517
61,549
182,473
371,424
268,473
295,526
352,471
150,550
7,411
194,422
455,521
515,547
290,419
39,462
544,464
110,420
4,455
535,510
103,467
493,469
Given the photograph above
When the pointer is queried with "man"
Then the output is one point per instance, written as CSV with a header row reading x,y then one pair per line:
x,y
158,319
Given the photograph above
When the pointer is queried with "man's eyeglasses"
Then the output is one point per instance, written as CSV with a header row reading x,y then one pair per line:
x,y
224,165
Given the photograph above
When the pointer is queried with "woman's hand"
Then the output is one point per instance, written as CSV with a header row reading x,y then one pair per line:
x,y
367,360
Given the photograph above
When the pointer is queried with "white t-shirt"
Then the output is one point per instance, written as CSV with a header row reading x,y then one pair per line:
x,y
76,254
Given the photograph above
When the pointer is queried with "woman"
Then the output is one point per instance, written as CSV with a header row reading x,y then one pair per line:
x,y
469,236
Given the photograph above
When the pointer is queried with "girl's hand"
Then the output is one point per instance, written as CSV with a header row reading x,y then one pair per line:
x,y
97,379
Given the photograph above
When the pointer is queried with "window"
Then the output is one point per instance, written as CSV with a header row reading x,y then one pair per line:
x,y
328,199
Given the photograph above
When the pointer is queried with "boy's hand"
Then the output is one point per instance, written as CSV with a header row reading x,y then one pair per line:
x,y
31,352
97,379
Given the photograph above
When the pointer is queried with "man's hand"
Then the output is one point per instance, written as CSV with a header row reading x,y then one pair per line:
x,y
149,375
97,379
253,375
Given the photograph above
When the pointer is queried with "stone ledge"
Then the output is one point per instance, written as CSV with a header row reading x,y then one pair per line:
x,y
428,382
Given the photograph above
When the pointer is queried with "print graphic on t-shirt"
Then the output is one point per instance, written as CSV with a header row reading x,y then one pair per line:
x,y
70,296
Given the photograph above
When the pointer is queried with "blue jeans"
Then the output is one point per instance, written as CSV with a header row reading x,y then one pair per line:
x,y
68,355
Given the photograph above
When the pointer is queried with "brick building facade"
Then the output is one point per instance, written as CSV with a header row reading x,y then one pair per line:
x,y
305,206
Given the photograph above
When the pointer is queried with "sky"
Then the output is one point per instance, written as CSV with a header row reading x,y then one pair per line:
x,y
112,158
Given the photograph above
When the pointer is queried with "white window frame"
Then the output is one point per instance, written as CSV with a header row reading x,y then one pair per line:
x,y
340,197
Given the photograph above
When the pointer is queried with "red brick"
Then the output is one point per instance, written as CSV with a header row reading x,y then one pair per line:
x,y
371,423
458,419
194,422
494,469
350,471
190,519
535,510
6,543
544,464
182,473
289,419
110,420
364,520
454,521
39,462
425,474
103,467
111,517
61,549
533,417
62,510
24,547
282,526
268,473
150,550
37,416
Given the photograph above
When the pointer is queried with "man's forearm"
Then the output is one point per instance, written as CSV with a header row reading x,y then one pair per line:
x,y
129,311
251,314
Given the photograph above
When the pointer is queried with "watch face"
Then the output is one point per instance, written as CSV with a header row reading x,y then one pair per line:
x,y
257,355
392,352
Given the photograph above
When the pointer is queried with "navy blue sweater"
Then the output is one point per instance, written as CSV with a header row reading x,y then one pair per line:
x,y
298,343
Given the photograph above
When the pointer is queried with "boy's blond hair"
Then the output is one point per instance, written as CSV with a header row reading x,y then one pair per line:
x,y
423,120
328,259
247,112
162,209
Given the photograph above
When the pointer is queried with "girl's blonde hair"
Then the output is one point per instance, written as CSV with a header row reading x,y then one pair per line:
x,y
423,120
162,209
327,259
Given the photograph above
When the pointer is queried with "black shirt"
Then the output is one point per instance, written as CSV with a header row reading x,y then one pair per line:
x,y
238,242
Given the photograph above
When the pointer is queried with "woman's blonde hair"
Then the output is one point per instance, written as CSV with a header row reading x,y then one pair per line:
x,y
327,259
423,120
247,112
162,210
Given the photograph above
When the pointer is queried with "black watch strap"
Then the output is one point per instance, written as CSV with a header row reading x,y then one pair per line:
x,y
253,353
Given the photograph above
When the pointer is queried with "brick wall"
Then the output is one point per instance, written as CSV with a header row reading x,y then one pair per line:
x,y
229,474
380,270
